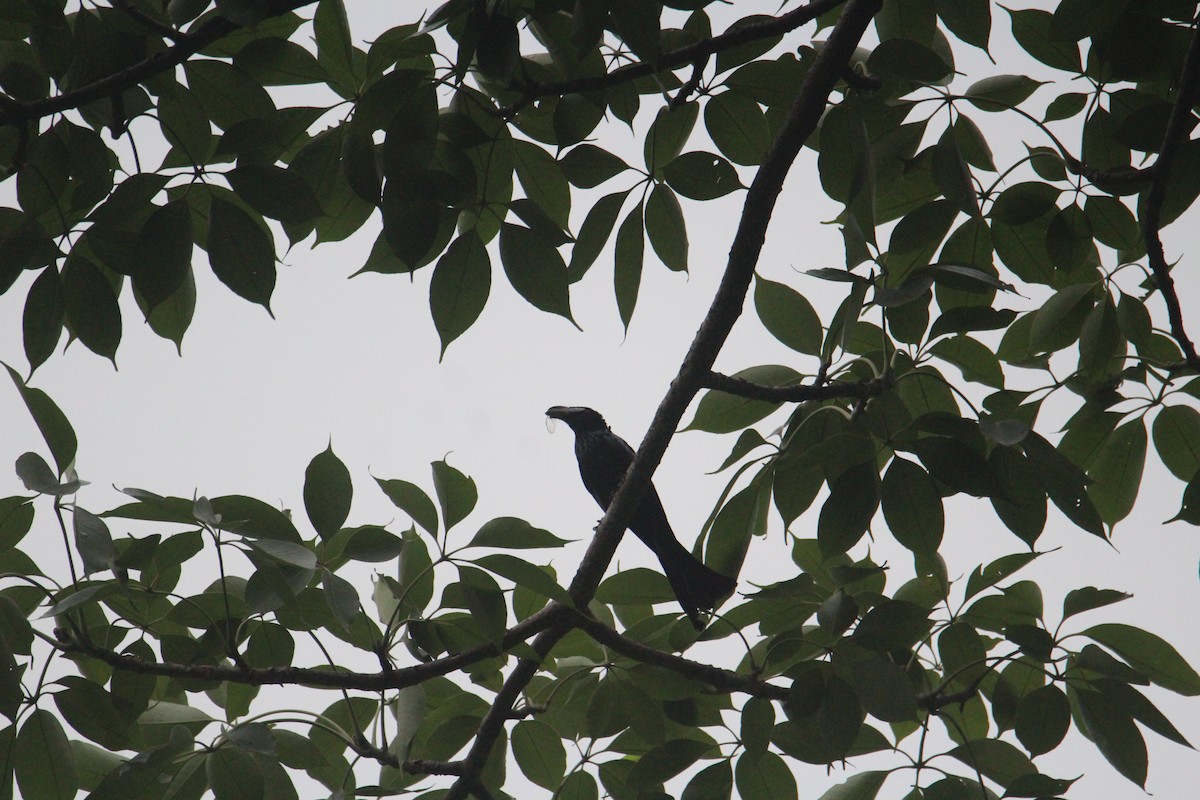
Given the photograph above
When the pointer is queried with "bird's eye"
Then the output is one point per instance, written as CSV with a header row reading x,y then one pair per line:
x,y
551,423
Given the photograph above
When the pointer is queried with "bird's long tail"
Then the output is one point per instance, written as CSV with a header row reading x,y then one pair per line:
x,y
696,586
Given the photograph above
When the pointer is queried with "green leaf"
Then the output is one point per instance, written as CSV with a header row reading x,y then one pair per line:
x,y
862,786
1057,323
42,320
669,133
788,316
1177,439
524,574
51,422
16,517
233,773
892,625
637,24
996,759
410,499
884,690
1066,106
912,507
1065,483
1001,92
416,223
1043,719
275,192
248,516
594,233
974,360
335,52
163,253
588,166
1031,29
908,60
535,269
963,654
665,761
758,720
1085,599
986,577
514,534
456,493
764,775
847,512
1117,471
43,761
93,541
1021,500
90,305
737,127
341,597
969,20
91,711
628,255
460,286
1149,654
241,252
1113,730
702,176
539,753
666,228
276,61
714,782
719,412
327,492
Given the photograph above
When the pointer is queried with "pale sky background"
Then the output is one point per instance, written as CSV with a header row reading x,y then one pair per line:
x,y
355,362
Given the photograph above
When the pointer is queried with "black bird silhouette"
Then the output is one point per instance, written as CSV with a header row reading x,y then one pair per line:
x,y
604,459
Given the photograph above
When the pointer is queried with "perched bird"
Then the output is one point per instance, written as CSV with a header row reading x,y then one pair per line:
x,y
604,459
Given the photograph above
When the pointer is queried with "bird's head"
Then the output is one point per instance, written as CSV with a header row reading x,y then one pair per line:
x,y
580,418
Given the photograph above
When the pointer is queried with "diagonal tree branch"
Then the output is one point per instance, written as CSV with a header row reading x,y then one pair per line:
x,y
13,112
724,311
1176,133
692,54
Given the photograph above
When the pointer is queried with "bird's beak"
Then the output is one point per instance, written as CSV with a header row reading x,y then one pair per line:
x,y
560,412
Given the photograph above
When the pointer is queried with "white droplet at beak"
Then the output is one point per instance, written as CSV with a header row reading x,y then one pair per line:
x,y
551,424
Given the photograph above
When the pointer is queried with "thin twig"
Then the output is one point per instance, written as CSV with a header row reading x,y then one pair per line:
x,y
858,390
1177,129
675,58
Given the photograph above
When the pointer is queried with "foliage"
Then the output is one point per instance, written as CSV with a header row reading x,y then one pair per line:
x,y
473,133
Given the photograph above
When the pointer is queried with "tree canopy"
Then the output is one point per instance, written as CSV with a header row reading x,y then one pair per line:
x,y
1008,329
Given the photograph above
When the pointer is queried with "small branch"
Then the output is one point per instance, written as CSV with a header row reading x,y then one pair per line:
x,y
692,84
675,58
1177,130
1113,177
184,48
859,390
420,767
147,21
720,679
553,614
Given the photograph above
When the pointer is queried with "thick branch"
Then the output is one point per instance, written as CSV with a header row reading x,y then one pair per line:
x,y
695,53
710,338
328,679
722,680
1177,130
858,390
184,48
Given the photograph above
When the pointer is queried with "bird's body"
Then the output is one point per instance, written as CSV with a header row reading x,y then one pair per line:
x,y
604,458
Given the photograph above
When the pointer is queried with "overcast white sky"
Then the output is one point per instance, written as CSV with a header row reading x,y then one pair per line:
x,y
356,362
